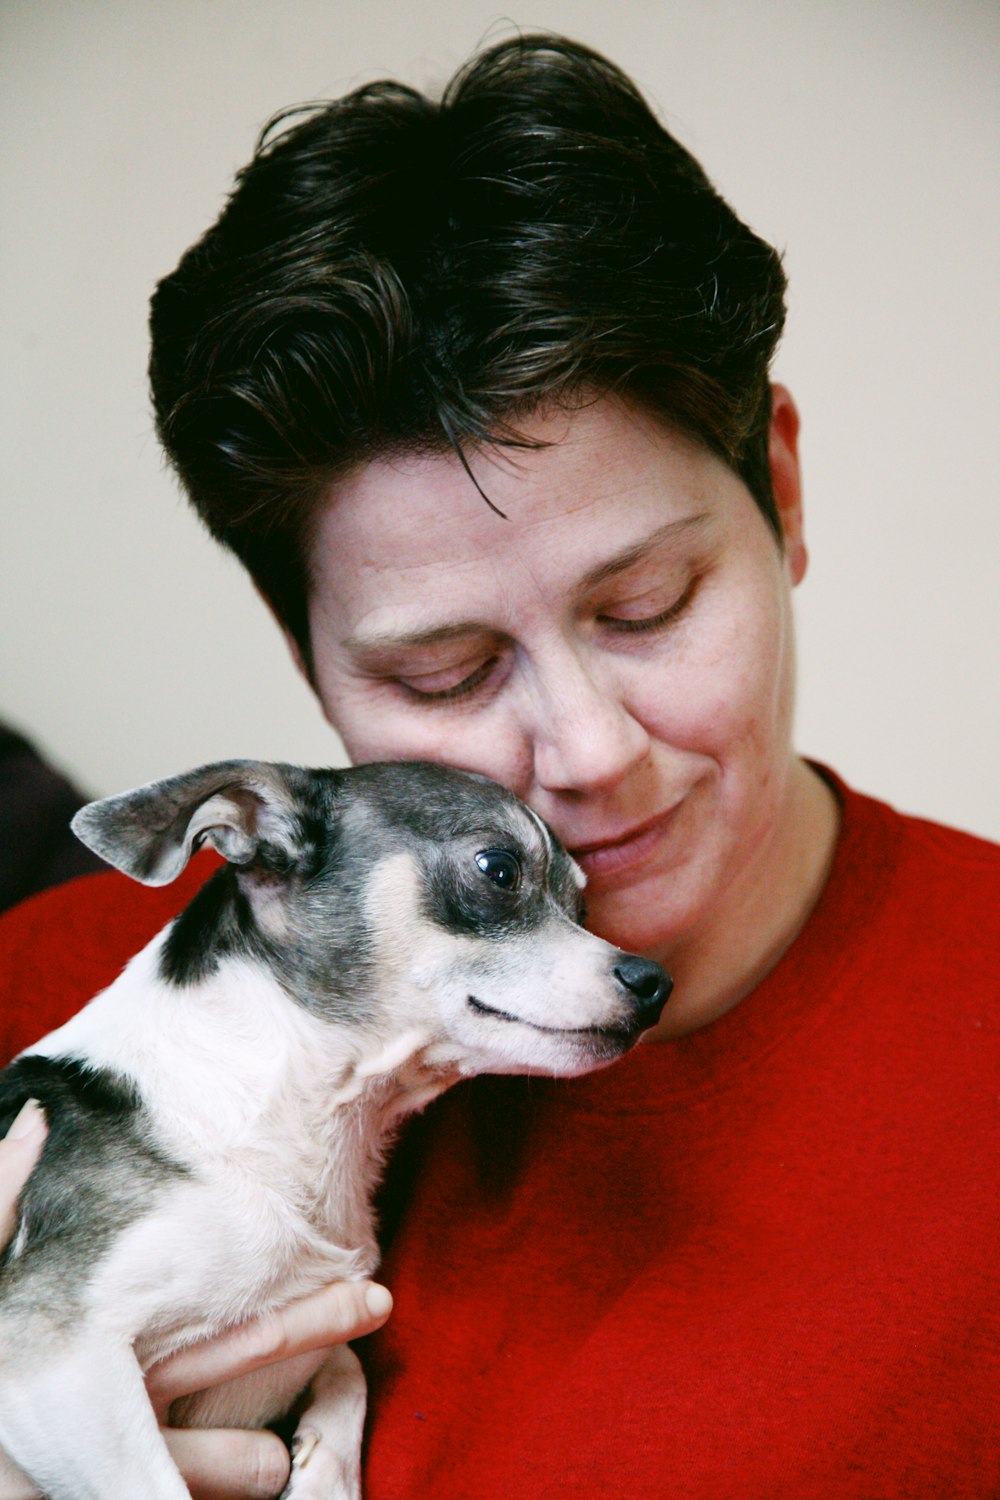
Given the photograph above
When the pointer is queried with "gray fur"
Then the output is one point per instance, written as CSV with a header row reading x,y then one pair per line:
x,y
97,1173
398,925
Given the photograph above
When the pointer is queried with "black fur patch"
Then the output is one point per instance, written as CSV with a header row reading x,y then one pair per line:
x,y
338,825
461,899
96,1174
216,924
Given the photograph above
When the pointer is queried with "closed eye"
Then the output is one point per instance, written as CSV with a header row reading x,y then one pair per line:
x,y
452,690
643,624
425,689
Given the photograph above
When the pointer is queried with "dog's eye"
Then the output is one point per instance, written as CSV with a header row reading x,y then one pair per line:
x,y
500,867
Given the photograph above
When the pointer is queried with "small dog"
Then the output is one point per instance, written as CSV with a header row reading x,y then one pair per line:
x,y
218,1116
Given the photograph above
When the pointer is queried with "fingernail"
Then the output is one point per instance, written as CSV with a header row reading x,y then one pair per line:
x,y
28,1121
378,1300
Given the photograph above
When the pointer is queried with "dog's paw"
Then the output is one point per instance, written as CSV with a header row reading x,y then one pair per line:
x,y
318,1472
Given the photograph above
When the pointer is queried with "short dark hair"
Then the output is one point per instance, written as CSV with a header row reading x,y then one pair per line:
x,y
397,274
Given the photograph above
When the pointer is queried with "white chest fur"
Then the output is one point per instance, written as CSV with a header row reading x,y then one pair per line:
x,y
277,1120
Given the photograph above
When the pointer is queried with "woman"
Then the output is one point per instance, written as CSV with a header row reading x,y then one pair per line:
x,y
479,395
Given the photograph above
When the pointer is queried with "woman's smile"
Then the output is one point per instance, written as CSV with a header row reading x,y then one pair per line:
x,y
612,859
616,648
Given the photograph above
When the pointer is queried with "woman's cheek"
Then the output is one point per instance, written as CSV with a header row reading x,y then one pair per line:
x,y
382,731
385,736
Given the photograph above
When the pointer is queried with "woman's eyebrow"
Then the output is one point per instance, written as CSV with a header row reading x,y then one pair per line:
x,y
434,635
639,550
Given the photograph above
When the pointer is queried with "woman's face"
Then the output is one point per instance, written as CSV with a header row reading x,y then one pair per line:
x,y
617,650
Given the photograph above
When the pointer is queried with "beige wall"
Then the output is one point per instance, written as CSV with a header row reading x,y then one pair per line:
x,y
862,138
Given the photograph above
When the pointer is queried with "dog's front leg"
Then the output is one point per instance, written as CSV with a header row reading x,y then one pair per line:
x,y
80,1424
326,1450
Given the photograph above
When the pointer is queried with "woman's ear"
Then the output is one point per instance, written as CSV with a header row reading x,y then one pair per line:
x,y
786,478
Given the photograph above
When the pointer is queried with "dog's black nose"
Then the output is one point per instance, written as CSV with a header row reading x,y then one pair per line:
x,y
648,983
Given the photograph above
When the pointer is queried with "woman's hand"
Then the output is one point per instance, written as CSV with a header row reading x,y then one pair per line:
x,y
19,1151
234,1465
217,1465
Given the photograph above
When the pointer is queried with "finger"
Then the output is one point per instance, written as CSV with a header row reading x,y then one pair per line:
x,y
346,1310
14,1483
229,1465
19,1151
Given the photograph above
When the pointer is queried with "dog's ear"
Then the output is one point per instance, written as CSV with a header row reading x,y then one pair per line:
x,y
248,810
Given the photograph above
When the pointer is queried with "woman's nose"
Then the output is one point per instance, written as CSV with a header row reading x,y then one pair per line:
x,y
585,737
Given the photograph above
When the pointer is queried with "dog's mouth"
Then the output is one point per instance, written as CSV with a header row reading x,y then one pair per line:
x,y
621,1033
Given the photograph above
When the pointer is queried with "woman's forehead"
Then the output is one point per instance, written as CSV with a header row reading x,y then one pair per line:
x,y
610,481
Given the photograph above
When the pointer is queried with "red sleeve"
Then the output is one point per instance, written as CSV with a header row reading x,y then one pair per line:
x,y
60,948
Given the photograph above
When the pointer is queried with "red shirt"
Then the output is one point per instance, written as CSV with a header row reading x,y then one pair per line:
x,y
754,1264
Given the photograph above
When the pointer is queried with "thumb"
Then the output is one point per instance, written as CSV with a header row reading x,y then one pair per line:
x,y
19,1152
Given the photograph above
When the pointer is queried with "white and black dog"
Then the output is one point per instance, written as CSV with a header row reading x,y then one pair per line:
x,y
218,1116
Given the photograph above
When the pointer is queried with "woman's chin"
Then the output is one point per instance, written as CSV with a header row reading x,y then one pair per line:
x,y
651,919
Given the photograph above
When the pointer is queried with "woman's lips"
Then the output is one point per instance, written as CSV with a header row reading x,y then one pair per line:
x,y
609,856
